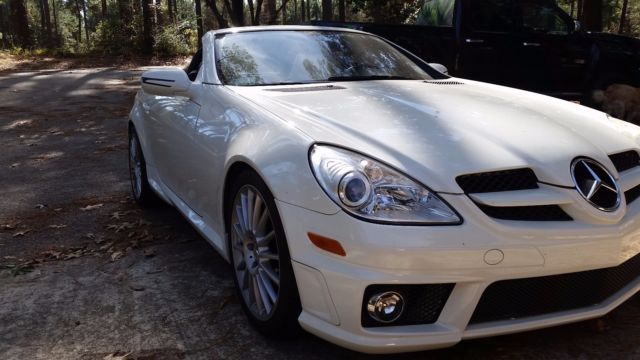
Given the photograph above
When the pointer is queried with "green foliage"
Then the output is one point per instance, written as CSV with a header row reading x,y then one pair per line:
x,y
174,40
436,13
110,38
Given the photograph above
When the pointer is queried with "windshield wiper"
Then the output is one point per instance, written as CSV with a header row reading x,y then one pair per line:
x,y
368,77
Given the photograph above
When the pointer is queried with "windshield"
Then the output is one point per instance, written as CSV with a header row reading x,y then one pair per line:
x,y
300,57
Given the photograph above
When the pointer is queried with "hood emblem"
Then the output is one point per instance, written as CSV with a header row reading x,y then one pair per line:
x,y
596,184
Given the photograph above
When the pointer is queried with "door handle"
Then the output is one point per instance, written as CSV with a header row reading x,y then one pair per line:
x,y
532,44
474,41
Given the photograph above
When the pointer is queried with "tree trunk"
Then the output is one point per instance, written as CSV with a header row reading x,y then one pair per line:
x,y
592,14
303,12
147,28
47,15
623,16
295,11
84,17
579,10
308,10
43,27
55,36
19,22
222,22
270,13
198,22
327,10
103,12
170,10
79,13
236,12
126,17
3,28
342,12
284,15
573,5
47,22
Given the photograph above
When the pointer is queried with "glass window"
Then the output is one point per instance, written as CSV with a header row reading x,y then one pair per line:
x,y
544,19
287,57
436,13
492,15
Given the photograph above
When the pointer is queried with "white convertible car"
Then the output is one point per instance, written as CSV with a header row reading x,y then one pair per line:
x,y
380,204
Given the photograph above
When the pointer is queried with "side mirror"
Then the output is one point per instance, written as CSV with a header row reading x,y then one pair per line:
x,y
441,68
577,26
166,82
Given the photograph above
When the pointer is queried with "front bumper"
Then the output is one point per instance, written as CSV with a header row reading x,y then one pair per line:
x,y
332,287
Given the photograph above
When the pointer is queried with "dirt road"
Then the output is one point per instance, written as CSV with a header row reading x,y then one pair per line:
x,y
85,274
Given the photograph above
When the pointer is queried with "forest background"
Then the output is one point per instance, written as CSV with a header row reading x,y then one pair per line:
x,y
168,28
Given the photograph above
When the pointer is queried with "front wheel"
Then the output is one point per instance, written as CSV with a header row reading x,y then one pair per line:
x,y
140,188
260,257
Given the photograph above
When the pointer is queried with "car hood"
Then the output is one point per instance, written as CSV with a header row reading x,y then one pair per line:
x,y
437,130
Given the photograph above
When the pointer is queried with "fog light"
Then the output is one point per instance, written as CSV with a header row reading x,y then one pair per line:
x,y
386,307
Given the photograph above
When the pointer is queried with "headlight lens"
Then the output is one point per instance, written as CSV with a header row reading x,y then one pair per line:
x,y
371,190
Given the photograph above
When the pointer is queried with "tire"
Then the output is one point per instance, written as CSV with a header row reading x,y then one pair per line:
x,y
263,274
140,189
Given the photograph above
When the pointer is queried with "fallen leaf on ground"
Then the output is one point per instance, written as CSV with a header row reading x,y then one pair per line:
x,y
136,287
20,269
106,246
117,255
8,226
117,356
59,226
21,233
40,206
91,207
117,215
89,236
149,253
14,165
57,209
121,227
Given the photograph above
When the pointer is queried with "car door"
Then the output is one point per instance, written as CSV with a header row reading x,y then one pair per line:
x,y
553,55
486,43
172,123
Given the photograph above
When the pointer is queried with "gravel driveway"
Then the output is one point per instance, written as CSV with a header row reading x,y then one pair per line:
x,y
86,274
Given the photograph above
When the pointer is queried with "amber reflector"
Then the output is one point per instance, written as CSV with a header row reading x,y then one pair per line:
x,y
324,243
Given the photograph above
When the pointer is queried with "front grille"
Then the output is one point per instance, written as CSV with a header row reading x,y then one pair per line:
x,y
423,303
526,213
632,194
505,180
625,160
521,298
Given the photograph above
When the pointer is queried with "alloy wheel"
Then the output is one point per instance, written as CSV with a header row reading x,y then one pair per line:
x,y
255,253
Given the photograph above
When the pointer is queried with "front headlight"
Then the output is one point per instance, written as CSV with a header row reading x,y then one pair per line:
x,y
373,191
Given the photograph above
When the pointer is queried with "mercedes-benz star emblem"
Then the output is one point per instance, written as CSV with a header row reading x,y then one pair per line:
x,y
596,184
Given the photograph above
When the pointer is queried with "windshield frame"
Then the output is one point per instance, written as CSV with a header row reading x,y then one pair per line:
x,y
423,65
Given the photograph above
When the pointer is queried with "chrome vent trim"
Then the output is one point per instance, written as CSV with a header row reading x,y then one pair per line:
x,y
446,82
307,88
